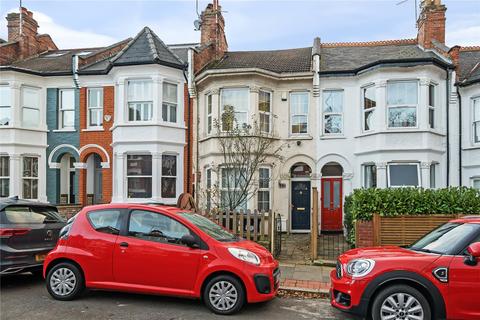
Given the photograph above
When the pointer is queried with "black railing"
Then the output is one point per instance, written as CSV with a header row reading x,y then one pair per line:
x,y
331,245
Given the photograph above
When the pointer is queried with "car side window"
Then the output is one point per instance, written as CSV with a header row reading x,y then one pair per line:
x,y
106,221
156,227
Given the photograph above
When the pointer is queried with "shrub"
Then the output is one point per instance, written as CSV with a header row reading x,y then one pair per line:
x,y
348,221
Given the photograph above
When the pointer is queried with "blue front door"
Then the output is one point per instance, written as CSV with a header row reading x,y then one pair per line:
x,y
300,205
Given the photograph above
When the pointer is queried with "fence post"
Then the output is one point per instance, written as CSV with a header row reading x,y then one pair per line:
x,y
271,230
248,224
314,226
376,229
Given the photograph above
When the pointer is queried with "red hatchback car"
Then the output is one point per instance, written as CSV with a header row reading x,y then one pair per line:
x,y
438,277
159,250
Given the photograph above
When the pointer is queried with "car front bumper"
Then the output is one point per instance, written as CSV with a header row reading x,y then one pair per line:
x,y
346,294
262,282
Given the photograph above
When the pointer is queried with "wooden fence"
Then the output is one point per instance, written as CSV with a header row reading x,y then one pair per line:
x,y
403,230
251,225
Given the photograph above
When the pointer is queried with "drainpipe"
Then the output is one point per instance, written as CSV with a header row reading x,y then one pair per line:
x,y
459,97
189,130
75,70
447,91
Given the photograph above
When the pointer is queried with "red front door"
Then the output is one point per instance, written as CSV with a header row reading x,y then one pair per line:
x,y
331,201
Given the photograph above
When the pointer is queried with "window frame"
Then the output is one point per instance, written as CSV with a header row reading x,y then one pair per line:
x,y
7,177
31,178
475,123
23,107
233,189
209,113
127,176
162,176
292,115
170,104
364,175
265,189
475,179
431,104
341,114
433,175
246,111
265,113
62,110
9,106
142,102
96,108
389,180
394,106
371,110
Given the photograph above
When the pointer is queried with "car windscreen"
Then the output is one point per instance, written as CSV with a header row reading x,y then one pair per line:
x,y
209,227
449,238
27,215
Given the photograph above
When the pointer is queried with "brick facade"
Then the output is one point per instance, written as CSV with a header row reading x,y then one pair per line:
x,y
431,23
364,236
188,149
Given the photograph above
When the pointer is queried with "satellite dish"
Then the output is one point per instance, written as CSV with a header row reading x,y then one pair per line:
x,y
197,23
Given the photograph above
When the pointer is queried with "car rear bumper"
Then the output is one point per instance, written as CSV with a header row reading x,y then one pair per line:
x,y
346,293
15,261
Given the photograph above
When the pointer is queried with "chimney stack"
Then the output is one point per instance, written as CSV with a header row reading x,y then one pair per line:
x,y
213,29
431,23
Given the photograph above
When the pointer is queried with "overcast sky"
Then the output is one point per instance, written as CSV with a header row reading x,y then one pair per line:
x,y
250,25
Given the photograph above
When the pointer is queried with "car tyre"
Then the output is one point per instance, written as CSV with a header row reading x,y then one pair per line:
x,y
388,302
224,295
65,281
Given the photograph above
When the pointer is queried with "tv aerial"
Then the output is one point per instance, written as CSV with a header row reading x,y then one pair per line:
x,y
416,9
198,22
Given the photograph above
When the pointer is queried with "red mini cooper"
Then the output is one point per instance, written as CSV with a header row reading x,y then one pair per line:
x,y
159,250
438,277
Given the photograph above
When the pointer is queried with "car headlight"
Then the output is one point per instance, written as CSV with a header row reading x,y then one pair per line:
x,y
360,267
245,255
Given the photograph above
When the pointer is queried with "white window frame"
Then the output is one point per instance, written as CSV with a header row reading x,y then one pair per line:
x,y
169,104
474,179
95,108
364,175
325,114
393,106
37,108
209,114
62,109
432,103
31,178
170,177
225,188
265,113
433,175
475,123
143,103
7,177
371,110
403,164
246,111
267,189
292,115
138,176
5,106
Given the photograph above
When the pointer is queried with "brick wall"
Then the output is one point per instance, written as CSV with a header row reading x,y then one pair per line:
x,y
68,211
364,234
100,138
431,24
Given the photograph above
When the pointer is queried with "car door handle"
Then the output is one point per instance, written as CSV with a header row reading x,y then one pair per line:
x,y
123,244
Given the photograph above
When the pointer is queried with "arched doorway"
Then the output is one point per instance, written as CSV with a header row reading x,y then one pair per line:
x,y
67,187
94,179
332,197
300,174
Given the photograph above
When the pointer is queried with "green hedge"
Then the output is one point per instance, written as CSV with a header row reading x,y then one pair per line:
x,y
362,204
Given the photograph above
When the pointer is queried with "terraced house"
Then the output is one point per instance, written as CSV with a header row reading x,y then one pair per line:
x,y
93,125
390,113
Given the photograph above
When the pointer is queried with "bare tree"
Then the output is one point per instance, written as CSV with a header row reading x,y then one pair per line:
x,y
244,149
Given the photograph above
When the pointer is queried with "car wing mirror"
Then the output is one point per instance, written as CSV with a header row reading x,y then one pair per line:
x,y
473,254
189,241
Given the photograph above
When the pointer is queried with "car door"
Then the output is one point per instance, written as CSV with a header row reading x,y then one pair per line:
x,y
149,253
464,288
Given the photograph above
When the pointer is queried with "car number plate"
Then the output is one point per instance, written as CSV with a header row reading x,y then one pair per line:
x,y
40,257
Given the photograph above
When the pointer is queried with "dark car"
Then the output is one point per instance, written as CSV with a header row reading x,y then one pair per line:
x,y
28,231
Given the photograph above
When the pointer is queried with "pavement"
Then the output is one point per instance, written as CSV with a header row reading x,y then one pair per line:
x,y
300,277
25,297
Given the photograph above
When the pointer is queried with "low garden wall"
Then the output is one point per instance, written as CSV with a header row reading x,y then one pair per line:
x,y
68,210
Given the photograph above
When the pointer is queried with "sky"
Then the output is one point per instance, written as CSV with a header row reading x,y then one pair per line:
x,y
250,25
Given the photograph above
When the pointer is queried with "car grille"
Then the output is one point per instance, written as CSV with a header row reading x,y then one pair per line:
x,y
338,270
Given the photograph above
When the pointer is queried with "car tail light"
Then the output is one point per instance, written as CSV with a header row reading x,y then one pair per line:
x,y
7,233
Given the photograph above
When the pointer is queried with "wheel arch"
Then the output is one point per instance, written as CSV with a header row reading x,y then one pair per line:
x,y
425,286
221,273
56,261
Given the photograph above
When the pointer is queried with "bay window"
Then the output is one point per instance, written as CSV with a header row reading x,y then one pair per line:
x,y
369,176
431,105
369,104
236,101
299,112
30,107
233,180
95,107
170,102
169,176
402,100
139,176
263,193
140,100
332,112
403,175
30,177
66,107
264,110
5,105
209,114
4,176
476,120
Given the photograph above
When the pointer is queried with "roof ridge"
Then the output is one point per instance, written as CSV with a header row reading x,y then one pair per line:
x,y
274,50
153,48
370,43
470,48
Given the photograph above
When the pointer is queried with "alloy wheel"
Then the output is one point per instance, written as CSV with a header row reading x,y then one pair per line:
x,y
223,295
401,306
63,281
